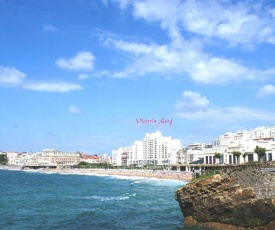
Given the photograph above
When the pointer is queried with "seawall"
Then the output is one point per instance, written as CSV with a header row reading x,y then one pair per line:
x,y
263,182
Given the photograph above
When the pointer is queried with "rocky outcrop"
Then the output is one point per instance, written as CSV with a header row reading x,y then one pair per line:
x,y
227,200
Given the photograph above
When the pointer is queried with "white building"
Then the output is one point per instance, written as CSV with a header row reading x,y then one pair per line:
x,y
105,159
263,132
182,156
135,156
195,152
56,157
45,157
244,142
159,150
153,150
119,156
13,158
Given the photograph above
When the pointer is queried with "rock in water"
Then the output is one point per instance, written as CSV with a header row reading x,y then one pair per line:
x,y
222,199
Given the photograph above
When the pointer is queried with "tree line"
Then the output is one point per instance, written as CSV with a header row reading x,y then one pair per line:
x,y
3,159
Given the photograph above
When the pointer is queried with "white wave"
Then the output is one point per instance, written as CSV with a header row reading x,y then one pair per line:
x,y
127,177
150,180
125,196
134,194
48,173
31,171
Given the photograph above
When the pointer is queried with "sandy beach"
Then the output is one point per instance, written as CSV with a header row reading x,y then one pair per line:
x,y
184,176
160,174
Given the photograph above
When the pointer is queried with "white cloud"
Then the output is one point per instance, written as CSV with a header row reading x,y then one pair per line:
x,y
50,28
122,3
61,87
11,76
165,11
236,23
74,109
217,70
82,61
192,101
185,58
94,75
241,23
228,114
193,106
266,90
83,76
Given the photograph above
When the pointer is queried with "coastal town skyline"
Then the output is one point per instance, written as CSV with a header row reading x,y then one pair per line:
x,y
261,133
87,75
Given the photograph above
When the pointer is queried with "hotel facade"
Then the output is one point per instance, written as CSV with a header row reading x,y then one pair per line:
x,y
154,149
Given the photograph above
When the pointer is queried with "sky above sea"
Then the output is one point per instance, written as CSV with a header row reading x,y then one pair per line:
x,y
80,75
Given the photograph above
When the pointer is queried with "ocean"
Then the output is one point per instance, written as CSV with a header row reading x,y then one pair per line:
x,y
35,200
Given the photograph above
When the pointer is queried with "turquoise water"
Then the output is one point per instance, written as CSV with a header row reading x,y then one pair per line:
x,y
33,200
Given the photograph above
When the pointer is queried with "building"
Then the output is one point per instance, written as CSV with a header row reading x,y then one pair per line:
x,y
153,150
195,152
91,159
244,142
43,158
117,156
105,159
13,158
56,157
135,156
182,156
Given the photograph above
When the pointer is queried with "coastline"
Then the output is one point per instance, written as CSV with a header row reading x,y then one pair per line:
x,y
158,174
182,176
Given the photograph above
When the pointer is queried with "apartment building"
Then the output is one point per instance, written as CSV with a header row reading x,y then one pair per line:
x,y
117,156
135,156
153,150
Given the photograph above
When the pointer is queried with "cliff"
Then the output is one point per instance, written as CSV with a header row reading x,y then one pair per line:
x,y
243,199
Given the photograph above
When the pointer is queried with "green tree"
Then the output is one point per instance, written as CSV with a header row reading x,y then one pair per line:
x,y
218,156
3,159
244,156
260,152
237,154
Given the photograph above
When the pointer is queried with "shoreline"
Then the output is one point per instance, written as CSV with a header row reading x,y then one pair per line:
x,y
166,175
158,174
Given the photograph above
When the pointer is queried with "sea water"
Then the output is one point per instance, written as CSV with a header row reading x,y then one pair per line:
x,y
35,200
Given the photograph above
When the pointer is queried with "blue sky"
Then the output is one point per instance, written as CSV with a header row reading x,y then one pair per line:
x,y
77,75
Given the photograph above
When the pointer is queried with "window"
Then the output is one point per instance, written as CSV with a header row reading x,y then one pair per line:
x,y
270,156
250,157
